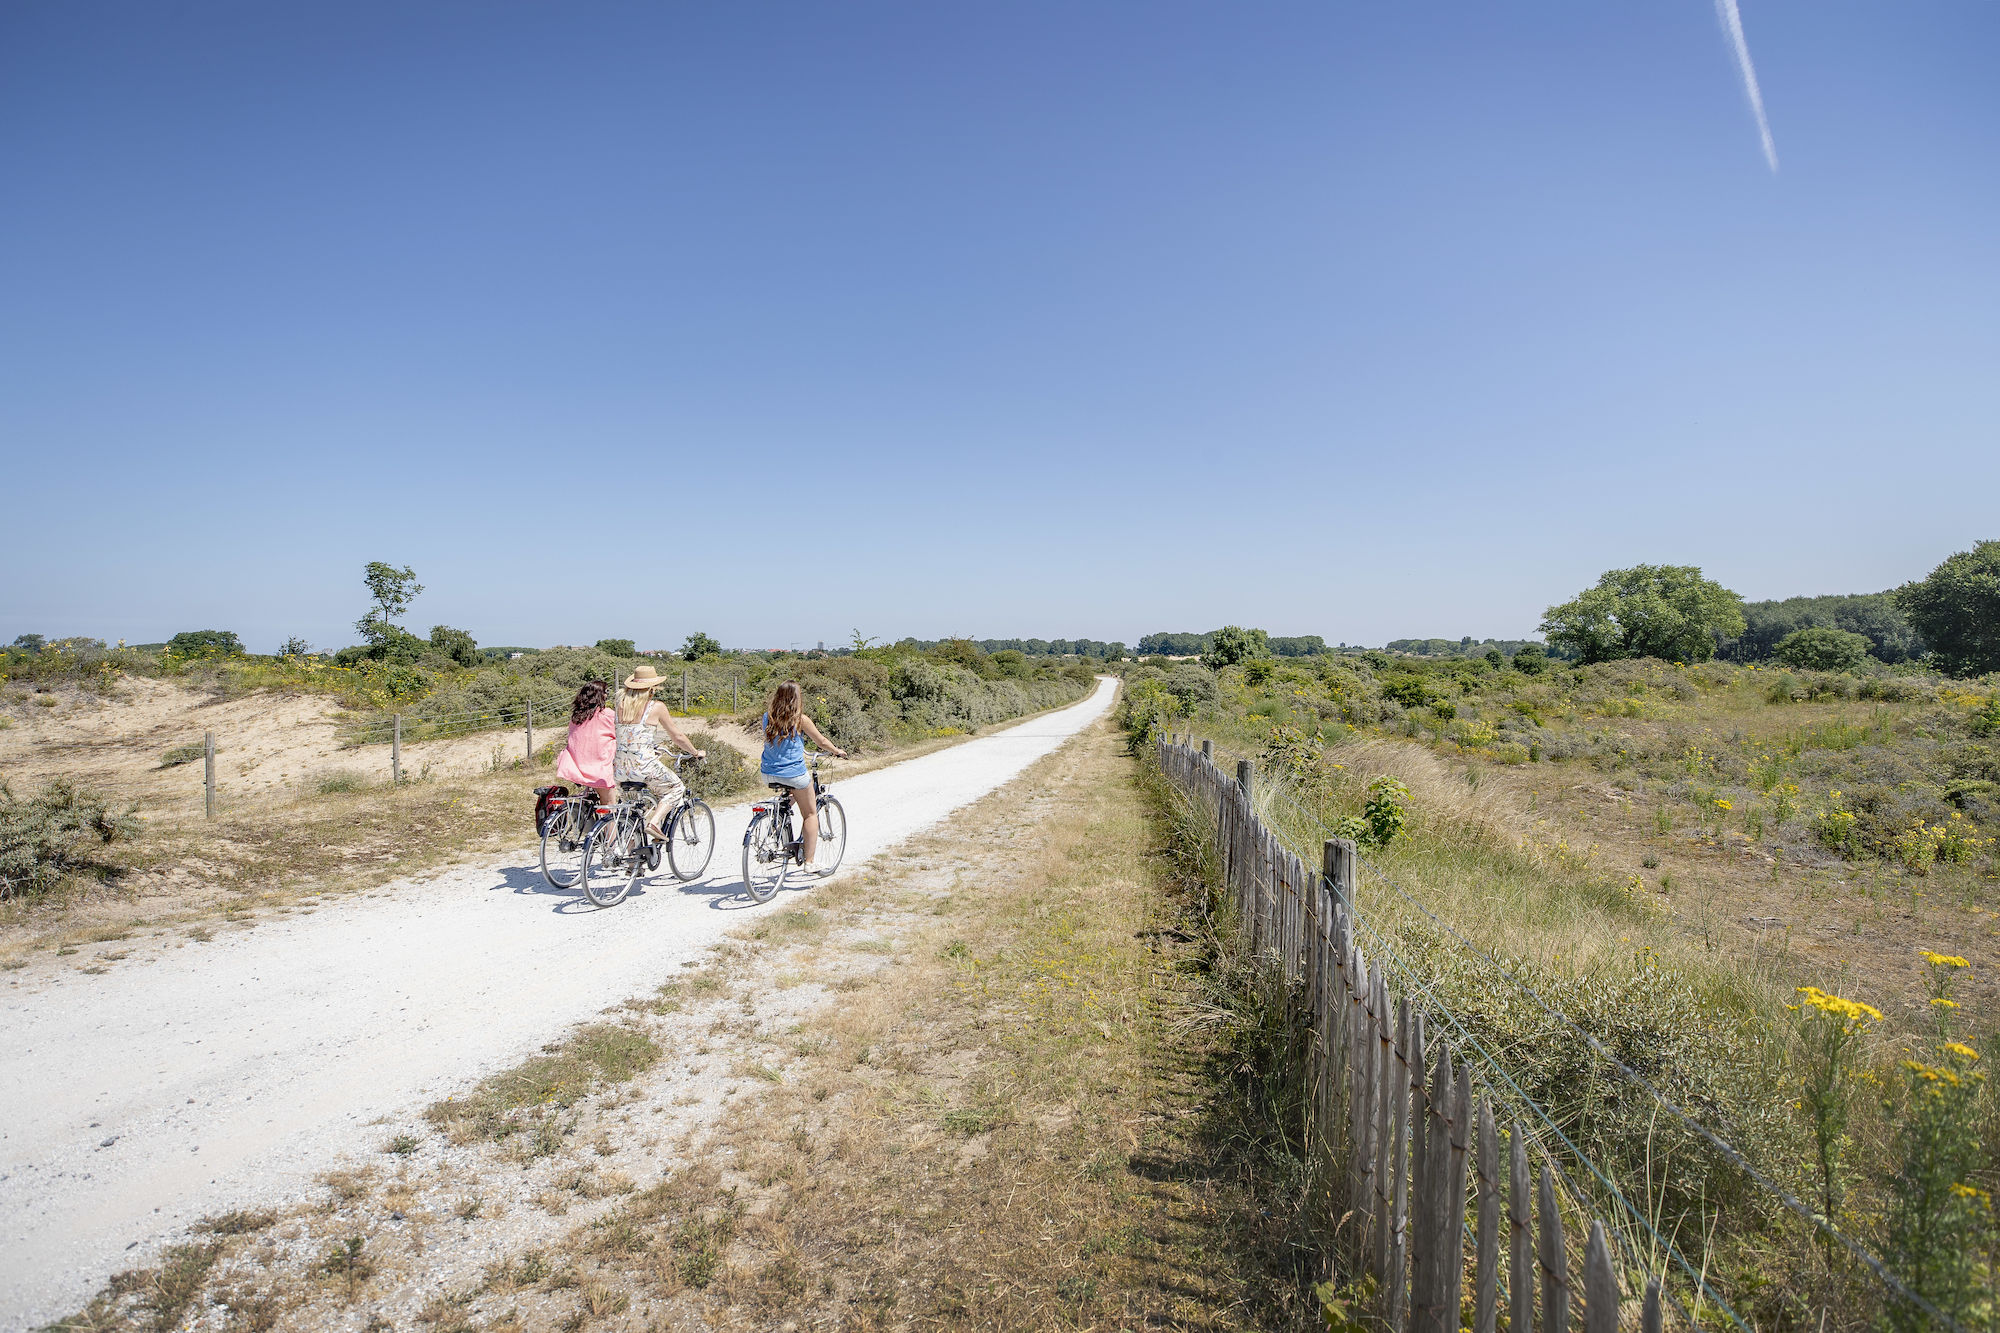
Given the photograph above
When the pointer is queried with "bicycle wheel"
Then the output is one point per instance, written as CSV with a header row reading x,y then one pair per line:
x,y
610,857
832,837
691,839
764,859
559,867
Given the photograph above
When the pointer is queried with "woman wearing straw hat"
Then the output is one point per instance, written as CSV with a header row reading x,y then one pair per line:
x,y
641,719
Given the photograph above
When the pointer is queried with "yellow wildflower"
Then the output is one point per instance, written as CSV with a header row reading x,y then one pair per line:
x,y
1852,1010
1944,960
1960,1048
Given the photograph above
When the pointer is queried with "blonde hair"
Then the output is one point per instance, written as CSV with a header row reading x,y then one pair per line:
x,y
782,716
632,703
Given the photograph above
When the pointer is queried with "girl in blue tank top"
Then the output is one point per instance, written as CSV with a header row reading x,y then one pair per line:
x,y
786,731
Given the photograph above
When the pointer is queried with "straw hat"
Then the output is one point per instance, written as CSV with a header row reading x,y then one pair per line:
x,y
645,678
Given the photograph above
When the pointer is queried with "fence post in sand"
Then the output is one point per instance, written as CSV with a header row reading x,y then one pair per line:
x,y
1208,750
684,691
733,706
396,751
208,774
529,758
1246,778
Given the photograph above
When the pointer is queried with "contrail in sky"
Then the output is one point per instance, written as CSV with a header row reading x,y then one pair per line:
x,y
1731,19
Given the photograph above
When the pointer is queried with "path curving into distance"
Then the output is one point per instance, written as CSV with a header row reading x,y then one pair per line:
x,y
233,1073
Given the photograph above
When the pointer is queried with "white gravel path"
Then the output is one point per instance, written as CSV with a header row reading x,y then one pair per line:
x,y
230,1074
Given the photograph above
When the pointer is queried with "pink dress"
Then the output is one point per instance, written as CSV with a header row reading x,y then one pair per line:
x,y
593,746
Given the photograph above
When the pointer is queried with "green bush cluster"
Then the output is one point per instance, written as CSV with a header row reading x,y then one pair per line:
x,y
722,774
47,837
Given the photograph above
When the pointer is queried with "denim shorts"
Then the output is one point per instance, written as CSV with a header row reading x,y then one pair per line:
x,y
799,783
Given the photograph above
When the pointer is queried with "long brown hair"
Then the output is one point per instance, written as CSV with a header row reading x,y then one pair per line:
x,y
588,700
782,717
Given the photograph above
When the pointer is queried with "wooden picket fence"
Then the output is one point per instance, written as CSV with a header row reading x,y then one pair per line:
x,y
1412,1157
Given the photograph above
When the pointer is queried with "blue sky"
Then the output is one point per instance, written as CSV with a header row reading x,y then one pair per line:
x,y
1025,319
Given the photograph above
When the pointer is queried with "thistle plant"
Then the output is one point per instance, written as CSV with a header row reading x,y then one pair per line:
x,y
1831,1030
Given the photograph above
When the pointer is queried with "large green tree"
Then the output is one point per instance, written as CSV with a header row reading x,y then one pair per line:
x,y
1956,607
1232,644
1665,611
392,591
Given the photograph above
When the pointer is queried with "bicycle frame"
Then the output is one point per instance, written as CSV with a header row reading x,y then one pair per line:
x,y
787,835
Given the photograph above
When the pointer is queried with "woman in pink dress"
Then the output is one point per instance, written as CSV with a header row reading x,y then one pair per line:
x,y
593,741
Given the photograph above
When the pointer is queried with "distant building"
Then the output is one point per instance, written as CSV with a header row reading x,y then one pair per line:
x,y
822,645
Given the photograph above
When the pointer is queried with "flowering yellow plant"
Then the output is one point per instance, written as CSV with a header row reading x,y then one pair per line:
x,y
1852,1011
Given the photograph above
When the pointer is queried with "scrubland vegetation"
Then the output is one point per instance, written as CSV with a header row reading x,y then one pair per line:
x,y
444,685
1772,892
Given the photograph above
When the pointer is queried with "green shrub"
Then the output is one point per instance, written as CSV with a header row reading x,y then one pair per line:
x,y
723,774
46,837
1783,688
1409,691
617,647
1386,811
339,780
205,643
1820,648
1193,686
183,754
455,645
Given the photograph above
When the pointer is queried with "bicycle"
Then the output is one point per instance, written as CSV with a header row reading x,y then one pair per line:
x,y
621,846
564,820
770,846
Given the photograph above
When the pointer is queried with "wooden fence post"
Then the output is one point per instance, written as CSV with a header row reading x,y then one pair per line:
x,y
684,691
1385,1114
1208,750
1555,1260
733,706
1486,1274
1451,1227
1520,1254
1433,1307
1393,1236
208,774
1367,1058
1600,1284
396,752
1649,1314
529,723
1246,778
1337,868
